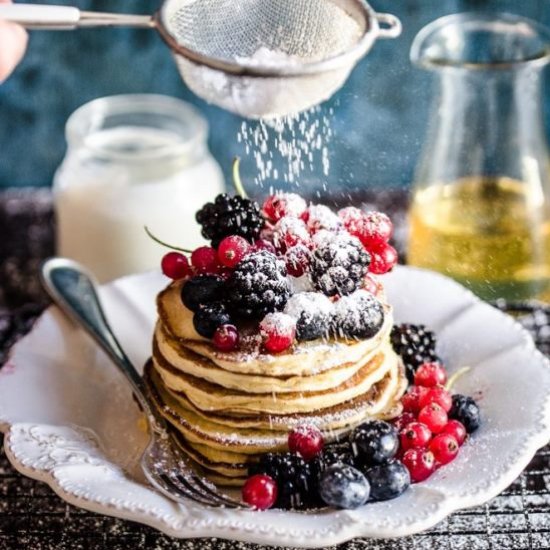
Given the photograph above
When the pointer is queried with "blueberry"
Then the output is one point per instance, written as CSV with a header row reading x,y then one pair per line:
x,y
343,486
465,410
201,290
209,317
374,442
388,480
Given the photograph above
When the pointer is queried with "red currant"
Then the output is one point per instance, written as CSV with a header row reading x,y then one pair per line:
x,y
457,430
277,206
232,250
434,417
376,229
278,331
306,440
437,395
430,374
353,220
264,244
260,491
444,448
420,463
383,257
403,419
415,436
297,260
175,265
411,400
205,260
226,338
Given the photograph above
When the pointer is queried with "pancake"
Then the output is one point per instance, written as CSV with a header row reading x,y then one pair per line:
x,y
304,359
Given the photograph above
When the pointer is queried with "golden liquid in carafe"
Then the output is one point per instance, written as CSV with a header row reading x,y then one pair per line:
x,y
490,234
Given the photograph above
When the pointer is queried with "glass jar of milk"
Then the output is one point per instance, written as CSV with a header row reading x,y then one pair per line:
x,y
132,161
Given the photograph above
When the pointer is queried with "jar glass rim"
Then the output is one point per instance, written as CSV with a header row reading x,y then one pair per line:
x,y
92,117
481,41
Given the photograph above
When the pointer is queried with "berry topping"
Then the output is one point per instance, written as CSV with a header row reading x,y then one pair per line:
x,y
205,260
201,290
339,265
466,411
297,260
376,228
420,463
457,430
444,448
415,344
260,491
320,217
264,244
403,420
279,205
353,219
226,338
437,395
415,436
209,317
411,400
295,478
312,312
232,250
258,286
230,216
383,257
175,265
306,440
388,480
430,374
374,442
434,417
370,284
336,453
343,486
289,232
278,331
358,316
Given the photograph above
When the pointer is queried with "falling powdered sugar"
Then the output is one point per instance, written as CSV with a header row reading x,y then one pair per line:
x,y
286,148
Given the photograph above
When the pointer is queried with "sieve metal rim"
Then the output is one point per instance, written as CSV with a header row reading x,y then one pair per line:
x,y
349,57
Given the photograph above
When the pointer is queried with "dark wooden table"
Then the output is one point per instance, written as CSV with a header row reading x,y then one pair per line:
x,y
33,517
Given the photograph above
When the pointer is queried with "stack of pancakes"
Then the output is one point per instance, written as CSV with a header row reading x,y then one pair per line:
x,y
230,407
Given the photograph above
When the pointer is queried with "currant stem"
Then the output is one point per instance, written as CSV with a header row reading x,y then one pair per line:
x,y
458,374
237,182
157,240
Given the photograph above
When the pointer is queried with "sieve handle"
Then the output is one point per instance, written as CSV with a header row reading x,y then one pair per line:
x,y
389,26
37,16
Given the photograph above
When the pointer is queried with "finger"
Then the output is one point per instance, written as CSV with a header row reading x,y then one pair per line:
x,y
13,42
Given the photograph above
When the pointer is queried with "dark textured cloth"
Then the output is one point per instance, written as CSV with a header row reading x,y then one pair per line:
x,y
33,517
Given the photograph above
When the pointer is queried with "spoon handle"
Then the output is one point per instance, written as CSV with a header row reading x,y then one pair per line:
x,y
73,289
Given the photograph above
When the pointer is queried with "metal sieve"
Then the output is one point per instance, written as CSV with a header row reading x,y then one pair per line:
x,y
256,58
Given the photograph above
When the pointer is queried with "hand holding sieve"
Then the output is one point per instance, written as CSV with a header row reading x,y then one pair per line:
x,y
220,46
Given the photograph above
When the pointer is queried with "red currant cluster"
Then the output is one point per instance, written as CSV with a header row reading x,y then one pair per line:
x,y
428,437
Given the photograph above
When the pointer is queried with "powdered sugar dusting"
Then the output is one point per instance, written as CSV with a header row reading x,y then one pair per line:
x,y
265,57
309,304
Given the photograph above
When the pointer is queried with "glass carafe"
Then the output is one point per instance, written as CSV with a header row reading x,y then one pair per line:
x,y
480,210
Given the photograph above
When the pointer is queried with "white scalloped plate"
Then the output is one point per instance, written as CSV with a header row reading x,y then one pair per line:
x,y
70,419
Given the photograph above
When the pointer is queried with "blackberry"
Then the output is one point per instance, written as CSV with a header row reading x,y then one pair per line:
x,y
415,344
230,216
209,317
201,290
360,315
258,286
297,482
466,411
313,314
339,265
